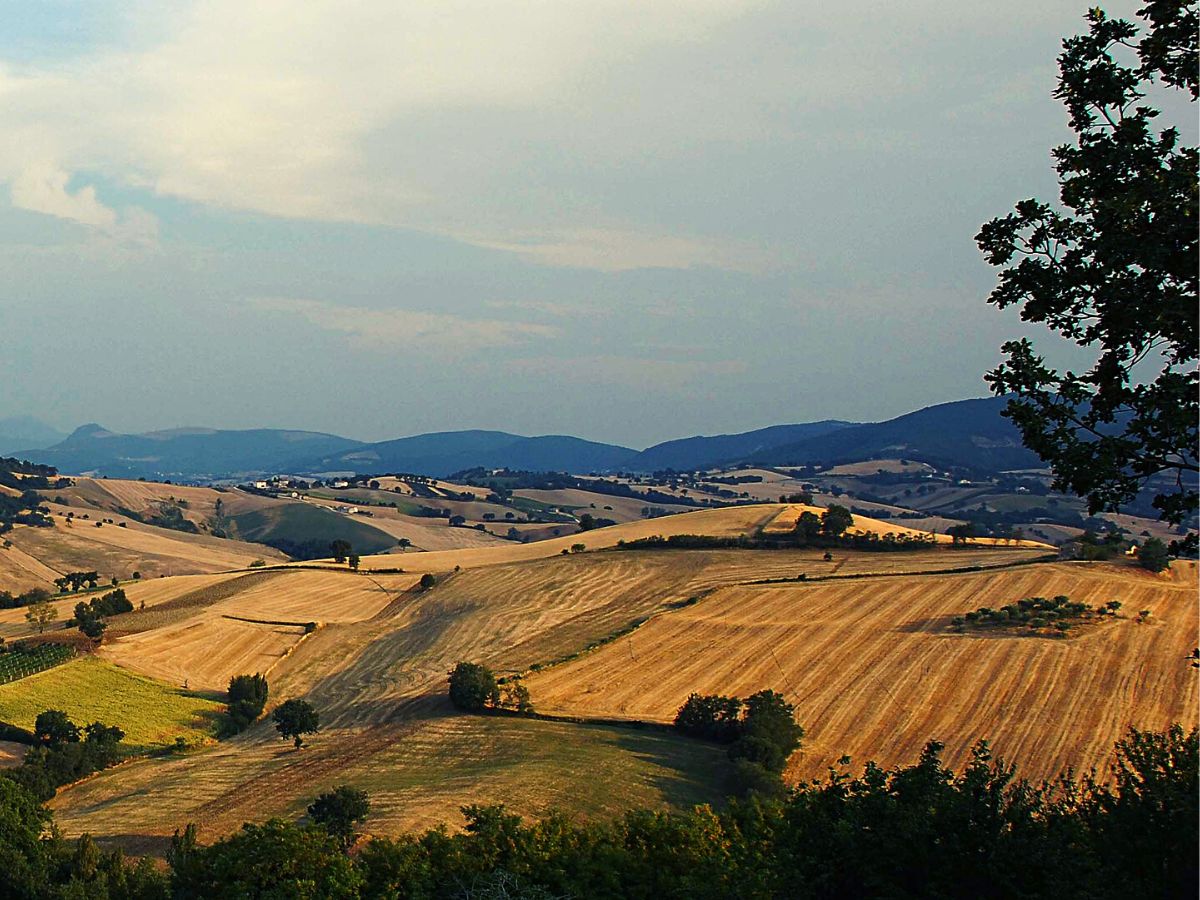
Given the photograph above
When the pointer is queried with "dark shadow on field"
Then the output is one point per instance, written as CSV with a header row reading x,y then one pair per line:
x,y
697,772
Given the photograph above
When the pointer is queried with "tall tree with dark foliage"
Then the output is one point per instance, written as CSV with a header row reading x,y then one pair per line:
x,y
1112,267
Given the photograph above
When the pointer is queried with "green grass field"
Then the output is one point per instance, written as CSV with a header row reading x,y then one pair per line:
x,y
532,767
151,713
300,522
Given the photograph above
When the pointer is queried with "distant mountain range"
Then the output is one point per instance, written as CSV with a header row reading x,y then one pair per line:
x,y
20,432
185,453
967,433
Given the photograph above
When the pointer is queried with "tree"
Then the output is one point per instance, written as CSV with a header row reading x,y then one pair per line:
x,y
338,810
54,728
835,520
516,696
808,526
295,718
1153,555
352,561
340,550
427,581
41,613
473,687
247,697
1113,268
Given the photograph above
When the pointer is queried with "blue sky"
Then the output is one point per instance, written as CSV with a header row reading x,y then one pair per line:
x,y
625,221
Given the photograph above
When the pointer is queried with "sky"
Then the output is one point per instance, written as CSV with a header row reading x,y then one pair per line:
x,y
624,221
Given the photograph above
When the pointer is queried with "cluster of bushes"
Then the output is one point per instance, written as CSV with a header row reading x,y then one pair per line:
x,y
76,581
90,616
27,509
1059,612
27,598
761,732
473,687
912,831
63,753
169,515
247,698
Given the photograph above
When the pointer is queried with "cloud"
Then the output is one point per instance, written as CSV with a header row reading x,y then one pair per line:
x,y
44,189
380,329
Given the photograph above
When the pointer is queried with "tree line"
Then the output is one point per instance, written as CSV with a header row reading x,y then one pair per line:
x,y
920,830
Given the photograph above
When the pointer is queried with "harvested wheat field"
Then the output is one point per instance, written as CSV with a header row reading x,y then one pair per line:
x,y
113,550
205,636
875,672
785,520
726,522
151,592
379,683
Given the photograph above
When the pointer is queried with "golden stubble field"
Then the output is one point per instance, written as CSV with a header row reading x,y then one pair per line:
x,y
377,676
875,672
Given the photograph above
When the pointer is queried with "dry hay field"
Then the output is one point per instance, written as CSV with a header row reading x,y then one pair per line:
x,y
726,522
149,591
113,550
875,672
378,681
785,520
203,637
427,534
601,506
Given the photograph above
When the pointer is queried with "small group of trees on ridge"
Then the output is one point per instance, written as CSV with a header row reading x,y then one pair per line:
x,y
90,617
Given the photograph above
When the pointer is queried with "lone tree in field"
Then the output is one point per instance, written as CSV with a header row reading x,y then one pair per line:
x,y
835,520
338,810
247,697
340,550
473,687
1112,267
295,718
40,613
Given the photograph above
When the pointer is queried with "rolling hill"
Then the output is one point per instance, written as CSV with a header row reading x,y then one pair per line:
x,y
970,434
18,432
190,453
443,453
686,454
867,659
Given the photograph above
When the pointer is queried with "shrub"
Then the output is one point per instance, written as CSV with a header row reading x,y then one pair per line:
x,y
247,698
473,687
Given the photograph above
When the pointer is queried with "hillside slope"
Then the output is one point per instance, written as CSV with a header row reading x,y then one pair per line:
x,y
700,452
443,453
875,671
967,433
184,452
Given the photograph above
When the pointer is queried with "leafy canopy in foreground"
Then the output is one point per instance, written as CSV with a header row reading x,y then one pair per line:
x,y
1113,268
